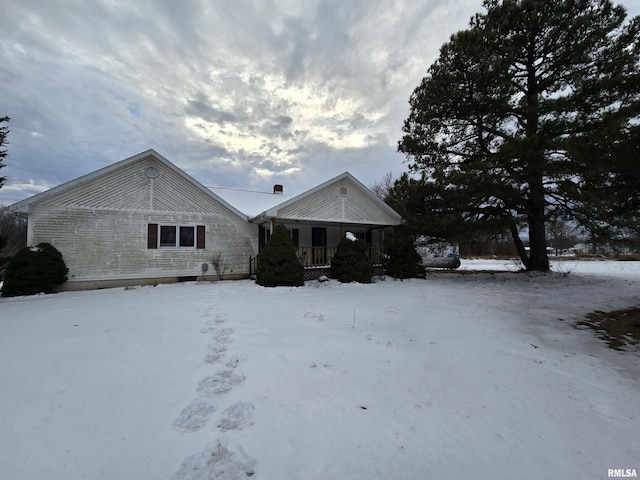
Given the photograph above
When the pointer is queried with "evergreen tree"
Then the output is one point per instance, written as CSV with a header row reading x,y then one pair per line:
x,y
4,131
528,114
13,236
278,264
351,263
34,270
403,259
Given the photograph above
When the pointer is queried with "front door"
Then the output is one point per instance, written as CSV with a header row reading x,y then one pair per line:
x,y
319,244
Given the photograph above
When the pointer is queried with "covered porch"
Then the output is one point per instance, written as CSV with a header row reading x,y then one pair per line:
x,y
318,219
316,244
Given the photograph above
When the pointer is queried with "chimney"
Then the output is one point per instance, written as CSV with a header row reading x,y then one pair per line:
x,y
278,189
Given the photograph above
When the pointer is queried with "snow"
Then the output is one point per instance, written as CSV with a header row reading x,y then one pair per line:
x,y
460,375
250,203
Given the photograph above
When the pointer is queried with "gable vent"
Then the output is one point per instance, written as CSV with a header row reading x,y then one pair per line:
x,y
151,172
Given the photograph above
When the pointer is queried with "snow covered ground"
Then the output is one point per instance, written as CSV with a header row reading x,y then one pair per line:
x,y
456,376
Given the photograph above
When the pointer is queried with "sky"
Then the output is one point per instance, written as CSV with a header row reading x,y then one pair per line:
x,y
237,93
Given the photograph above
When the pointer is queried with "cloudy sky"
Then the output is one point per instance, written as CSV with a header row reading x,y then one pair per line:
x,y
238,93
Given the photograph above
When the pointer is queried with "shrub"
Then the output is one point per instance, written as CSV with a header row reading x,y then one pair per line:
x,y
13,235
34,270
278,264
403,259
350,262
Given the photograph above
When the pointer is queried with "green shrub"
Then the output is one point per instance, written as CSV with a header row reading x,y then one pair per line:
x,y
278,264
403,261
351,263
34,270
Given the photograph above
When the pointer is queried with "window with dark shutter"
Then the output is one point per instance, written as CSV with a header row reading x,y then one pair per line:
x,y
168,236
152,235
200,236
186,237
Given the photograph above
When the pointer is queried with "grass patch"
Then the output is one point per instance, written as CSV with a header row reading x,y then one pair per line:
x,y
620,328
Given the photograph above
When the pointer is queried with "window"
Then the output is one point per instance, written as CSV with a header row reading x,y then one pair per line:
x,y
295,236
167,236
187,236
364,236
175,236
318,236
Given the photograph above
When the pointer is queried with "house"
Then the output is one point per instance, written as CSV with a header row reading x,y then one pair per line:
x,y
143,220
318,218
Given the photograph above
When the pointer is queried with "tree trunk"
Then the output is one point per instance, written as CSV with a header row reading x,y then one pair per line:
x,y
538,258
520,247
535,165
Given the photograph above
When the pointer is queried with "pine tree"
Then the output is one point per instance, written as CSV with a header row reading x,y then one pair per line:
x,y
4,131
351,263
525,115
403,259
278,264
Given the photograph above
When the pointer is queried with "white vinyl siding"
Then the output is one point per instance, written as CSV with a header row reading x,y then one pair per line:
x,y
101,226
330,205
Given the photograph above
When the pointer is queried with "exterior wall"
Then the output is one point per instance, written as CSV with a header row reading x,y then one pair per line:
x,y
113,245
101,228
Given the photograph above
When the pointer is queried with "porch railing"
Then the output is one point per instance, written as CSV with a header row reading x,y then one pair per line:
x,y
316,257
312,257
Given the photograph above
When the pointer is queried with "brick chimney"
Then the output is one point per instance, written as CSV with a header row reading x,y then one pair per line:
x,y
278,189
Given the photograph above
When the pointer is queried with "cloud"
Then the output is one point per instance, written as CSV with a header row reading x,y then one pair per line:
x,y
237,93
201,110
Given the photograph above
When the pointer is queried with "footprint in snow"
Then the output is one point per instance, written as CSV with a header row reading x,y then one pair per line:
x,y
219,383
220,318
215,352
236,416
221,461
208,329
194,416
224,334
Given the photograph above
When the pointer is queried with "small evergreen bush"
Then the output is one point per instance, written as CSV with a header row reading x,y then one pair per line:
x,y
351,263
403,259
278,264
34,270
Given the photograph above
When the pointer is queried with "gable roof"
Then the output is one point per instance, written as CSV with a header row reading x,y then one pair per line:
x,y
149,155
342,199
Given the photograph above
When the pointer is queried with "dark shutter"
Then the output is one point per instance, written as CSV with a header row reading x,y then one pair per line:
x,y
152,235
200,236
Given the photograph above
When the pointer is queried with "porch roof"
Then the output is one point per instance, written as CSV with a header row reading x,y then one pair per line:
x,y
343,200
340,200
